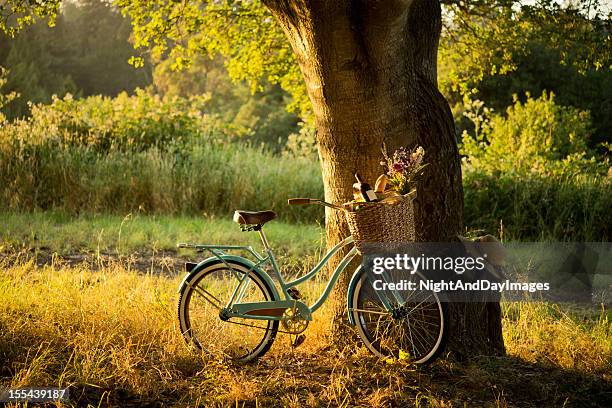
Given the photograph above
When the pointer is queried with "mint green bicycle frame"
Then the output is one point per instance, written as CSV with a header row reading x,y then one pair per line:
x,y
236,309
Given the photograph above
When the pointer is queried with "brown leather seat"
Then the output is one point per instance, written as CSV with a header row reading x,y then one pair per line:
x,y
253,217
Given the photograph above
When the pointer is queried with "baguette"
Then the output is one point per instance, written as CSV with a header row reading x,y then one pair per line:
x,y
381,184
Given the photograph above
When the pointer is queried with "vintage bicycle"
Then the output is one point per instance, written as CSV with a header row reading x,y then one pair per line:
x,y
232,302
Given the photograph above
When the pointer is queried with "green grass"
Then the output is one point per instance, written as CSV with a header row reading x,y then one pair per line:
x,y
203,177
66,234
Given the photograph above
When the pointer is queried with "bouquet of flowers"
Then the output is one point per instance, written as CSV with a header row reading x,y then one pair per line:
x,y
403,168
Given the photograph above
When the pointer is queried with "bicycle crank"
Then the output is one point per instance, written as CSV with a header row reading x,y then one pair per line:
x,y
293,323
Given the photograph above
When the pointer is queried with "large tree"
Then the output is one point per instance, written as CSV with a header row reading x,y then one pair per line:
x,y
370,73
370,70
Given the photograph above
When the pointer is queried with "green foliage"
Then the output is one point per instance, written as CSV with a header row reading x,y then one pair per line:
x,y
93,47
4,98
478,39
32,61
265,120
579,30
302,143
535,137
17,14
531,175
126,122
203,76
491,50
487,38
244,33
542,70
260,118
537,207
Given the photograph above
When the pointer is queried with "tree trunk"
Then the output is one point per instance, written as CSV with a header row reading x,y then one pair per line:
x,y
370,69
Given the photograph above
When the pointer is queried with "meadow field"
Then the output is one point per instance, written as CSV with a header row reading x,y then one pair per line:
x,y
89,270
90,304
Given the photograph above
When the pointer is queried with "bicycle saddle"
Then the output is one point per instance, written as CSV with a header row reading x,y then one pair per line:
x,y
253,217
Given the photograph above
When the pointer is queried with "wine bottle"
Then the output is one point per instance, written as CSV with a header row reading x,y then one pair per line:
x,y
365,191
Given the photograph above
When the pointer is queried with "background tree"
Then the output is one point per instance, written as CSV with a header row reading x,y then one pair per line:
x,y
493,50
259,118
32,62
85,53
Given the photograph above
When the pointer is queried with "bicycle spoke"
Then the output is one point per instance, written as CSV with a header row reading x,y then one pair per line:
x,y
199,291
411,339
415,329
370,311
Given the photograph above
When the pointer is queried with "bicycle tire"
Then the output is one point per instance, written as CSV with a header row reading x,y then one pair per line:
x,y
380,347
186,317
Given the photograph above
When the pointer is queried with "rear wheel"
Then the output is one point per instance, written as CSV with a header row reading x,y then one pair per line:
x,y
414,329
206,293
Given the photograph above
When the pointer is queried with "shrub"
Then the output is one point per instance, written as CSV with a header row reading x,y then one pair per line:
x,y
5,99
530,175
537,137
126,122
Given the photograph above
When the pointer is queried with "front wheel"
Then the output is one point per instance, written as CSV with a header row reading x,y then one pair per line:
x,y
206,292
401,324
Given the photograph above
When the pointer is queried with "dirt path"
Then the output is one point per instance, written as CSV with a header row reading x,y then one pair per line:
x,y
163,262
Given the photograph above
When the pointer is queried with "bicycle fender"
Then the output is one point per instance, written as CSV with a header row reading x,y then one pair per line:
x,y
247,263
350,292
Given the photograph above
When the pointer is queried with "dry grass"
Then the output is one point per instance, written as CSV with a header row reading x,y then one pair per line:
x,y
111,336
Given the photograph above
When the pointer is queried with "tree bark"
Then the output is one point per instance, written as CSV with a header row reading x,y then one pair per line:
x,y
371,73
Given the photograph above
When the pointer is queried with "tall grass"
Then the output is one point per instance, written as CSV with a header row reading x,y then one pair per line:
x,y
535,207
213,178
151,155
216,178
111,336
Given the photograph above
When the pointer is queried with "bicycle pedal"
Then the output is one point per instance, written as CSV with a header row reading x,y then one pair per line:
x,y
294,293
299,339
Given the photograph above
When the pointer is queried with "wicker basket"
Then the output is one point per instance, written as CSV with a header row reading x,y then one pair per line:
x,y
389,221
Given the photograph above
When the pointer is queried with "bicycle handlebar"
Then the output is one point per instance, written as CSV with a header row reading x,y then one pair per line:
x,y
300,201
307,201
